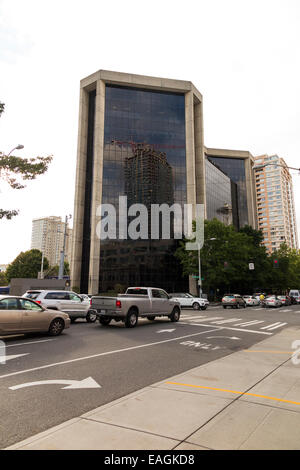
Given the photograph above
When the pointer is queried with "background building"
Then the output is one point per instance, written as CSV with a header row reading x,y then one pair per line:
x,y
143,137
48,237
3,268
275,202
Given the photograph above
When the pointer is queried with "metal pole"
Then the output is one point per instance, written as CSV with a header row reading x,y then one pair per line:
x,y
62,253
199,267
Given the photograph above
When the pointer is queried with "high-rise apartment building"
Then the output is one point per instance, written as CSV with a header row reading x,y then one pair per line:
x,y
48,237
275,202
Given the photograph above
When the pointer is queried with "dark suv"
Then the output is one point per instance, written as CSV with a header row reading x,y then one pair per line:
x,y
233,301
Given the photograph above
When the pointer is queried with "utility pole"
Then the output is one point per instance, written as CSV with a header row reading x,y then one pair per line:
x,y
62,253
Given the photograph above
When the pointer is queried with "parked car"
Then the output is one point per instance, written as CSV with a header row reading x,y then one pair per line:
x,y
285,300
233,301
251,300
189,300
21,315
65,301
295,294
149,302
272,301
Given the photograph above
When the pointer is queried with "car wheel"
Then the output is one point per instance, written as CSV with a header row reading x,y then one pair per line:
x,y
91,317
203,308
175,315
131,319
151,317
224,306
196,306
56,327
244,305
104,320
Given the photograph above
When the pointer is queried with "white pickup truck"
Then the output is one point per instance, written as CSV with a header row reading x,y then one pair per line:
x,y
149,302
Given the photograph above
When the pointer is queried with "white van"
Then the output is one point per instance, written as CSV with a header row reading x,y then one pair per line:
x,y
296,294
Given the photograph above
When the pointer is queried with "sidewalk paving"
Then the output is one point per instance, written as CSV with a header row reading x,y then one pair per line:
x,y
247,400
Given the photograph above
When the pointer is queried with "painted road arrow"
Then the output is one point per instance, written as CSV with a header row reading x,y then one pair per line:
x,y
166,331
89,382
7,357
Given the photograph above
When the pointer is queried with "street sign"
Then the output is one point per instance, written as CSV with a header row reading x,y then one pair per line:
x,y
251,266
195,277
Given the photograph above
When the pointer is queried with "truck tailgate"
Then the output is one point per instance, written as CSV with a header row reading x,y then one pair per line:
x,y
105,303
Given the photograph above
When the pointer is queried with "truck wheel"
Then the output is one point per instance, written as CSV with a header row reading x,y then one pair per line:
x,y
91,317
131,319
151,317
196,306
175,315
104,320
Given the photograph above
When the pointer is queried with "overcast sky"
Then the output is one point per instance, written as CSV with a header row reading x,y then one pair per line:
x,y
243,56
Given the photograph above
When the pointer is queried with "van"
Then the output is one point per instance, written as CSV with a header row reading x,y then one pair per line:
x,y
296,294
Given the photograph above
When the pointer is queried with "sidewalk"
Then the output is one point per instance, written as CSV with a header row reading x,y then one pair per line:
x,y
247,400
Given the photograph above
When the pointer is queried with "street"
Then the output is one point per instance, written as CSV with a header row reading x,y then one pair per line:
x,y
47,381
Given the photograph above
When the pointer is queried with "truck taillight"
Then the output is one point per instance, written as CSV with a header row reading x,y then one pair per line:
x,y
118,304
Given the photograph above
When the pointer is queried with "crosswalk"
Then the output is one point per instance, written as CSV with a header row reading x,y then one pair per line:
x,y
232,322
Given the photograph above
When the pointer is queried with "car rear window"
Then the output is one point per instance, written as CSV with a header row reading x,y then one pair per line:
x,y
32,294
229,297
137,291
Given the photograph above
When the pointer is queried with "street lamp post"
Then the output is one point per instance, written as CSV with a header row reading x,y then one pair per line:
x,y
18,147
62,253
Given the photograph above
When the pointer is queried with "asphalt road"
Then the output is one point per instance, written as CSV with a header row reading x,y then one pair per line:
x,y
119,361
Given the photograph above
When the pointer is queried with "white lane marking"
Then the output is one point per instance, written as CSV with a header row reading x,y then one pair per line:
x,y
249,323
273,326
166,331
222,322
193,317
228,328
212,318
89,382
229,337
29,342
6,357
116,351
288,310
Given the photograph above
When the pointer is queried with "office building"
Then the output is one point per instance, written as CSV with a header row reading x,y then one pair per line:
x,y
48,237
275,202
142,137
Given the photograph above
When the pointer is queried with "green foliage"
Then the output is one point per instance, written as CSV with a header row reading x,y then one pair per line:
x,y
225,261
54,270
26,265
3,279
15,170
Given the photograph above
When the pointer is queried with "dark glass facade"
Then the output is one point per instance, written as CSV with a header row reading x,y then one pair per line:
x,y
144,159
235,169
218,193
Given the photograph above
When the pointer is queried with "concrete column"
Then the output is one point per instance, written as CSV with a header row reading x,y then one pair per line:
x,y
79,189
97,186
199,155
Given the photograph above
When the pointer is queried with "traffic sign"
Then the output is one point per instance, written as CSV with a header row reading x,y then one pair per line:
x,y
251,266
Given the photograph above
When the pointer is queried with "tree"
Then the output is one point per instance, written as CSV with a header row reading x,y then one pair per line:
x,y
26,265
225,258
54,270
15,170
3,280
